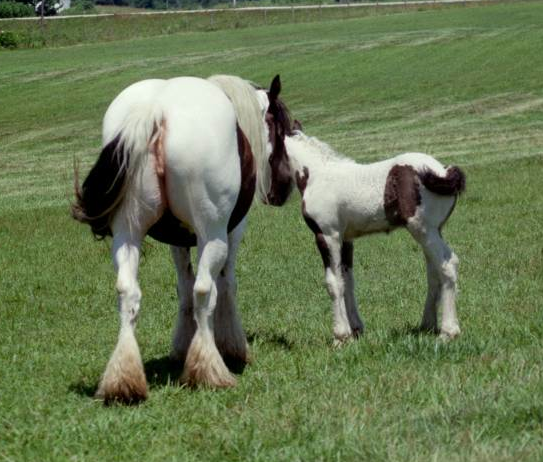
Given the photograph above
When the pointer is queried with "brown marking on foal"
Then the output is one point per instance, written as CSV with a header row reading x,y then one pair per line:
x,y
319,237
301,180
402,195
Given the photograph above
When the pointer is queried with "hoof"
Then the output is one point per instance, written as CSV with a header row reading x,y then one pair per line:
x,y
204,367
340,342
124,379
124,389
449,334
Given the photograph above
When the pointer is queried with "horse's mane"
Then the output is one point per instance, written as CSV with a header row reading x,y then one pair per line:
x,y
325,152
250,118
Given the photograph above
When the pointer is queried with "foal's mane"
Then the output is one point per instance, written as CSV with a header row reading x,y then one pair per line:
x,y
250,118
324,151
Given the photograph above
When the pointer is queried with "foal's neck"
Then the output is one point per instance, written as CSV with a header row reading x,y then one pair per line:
x,y
304,151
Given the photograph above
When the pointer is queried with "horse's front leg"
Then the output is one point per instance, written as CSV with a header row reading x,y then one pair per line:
x,y
330,249
204,364
357,326
186,325
229,336
124,377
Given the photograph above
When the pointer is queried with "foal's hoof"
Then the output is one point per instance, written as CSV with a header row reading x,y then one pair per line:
x,y
340,342
448,335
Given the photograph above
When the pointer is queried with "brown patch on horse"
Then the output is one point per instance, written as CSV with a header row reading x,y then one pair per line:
x,y
157,148
319,237
301,180
248,180
402,195
170,230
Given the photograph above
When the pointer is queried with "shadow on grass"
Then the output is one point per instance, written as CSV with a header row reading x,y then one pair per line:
x,y
83,388
412,331
277,340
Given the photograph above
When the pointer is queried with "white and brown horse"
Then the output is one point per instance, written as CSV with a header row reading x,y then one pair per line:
x,y
181,161
342,200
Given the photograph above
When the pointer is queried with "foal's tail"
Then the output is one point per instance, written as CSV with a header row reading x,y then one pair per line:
x,y
117,166
452,184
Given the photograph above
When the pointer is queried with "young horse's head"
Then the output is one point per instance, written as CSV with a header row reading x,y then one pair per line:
x,y
279,126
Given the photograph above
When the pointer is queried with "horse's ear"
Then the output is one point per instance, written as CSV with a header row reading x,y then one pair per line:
x,y
275,88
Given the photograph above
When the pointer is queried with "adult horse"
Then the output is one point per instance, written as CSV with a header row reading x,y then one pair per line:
x,y
181,161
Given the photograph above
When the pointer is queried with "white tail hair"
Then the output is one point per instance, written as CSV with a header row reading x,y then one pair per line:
x,y
250,115
136,134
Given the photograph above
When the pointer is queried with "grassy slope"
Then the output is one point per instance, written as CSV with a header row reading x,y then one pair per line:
x,y
463,85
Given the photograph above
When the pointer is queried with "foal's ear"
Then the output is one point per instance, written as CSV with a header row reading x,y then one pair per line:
x,y
275,88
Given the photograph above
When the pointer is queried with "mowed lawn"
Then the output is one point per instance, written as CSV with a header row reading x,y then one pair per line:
x,y
465,85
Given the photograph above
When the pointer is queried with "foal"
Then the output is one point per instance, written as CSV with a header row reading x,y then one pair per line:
x,y
342,200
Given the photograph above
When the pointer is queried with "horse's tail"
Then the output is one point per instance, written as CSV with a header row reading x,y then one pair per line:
x,y
452,184
97,200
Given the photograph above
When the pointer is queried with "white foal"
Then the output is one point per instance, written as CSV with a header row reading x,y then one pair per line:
x,y
342,200
181,161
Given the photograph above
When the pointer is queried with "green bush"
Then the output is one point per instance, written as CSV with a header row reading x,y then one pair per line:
x,y
12,9
8,39
80,7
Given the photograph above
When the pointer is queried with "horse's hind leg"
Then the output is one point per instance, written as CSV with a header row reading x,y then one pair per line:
x,y
204,364
355,322
444,264
124,377
186,325
229,336
429,317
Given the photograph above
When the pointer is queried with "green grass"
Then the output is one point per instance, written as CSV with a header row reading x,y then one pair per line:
x,y
463,85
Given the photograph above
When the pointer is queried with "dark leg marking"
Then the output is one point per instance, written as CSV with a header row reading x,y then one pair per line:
x,y
319,237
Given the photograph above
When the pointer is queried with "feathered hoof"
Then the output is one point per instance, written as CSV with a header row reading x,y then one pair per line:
x,y
124,387
204,367
124,378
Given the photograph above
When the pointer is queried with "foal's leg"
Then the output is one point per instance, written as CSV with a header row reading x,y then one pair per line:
x,y
124,378
229,336
429,317
355,322
445,264
204,365
186,325
330,248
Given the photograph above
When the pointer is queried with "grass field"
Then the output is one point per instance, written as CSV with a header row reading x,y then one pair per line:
x,y
464,85
121,26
